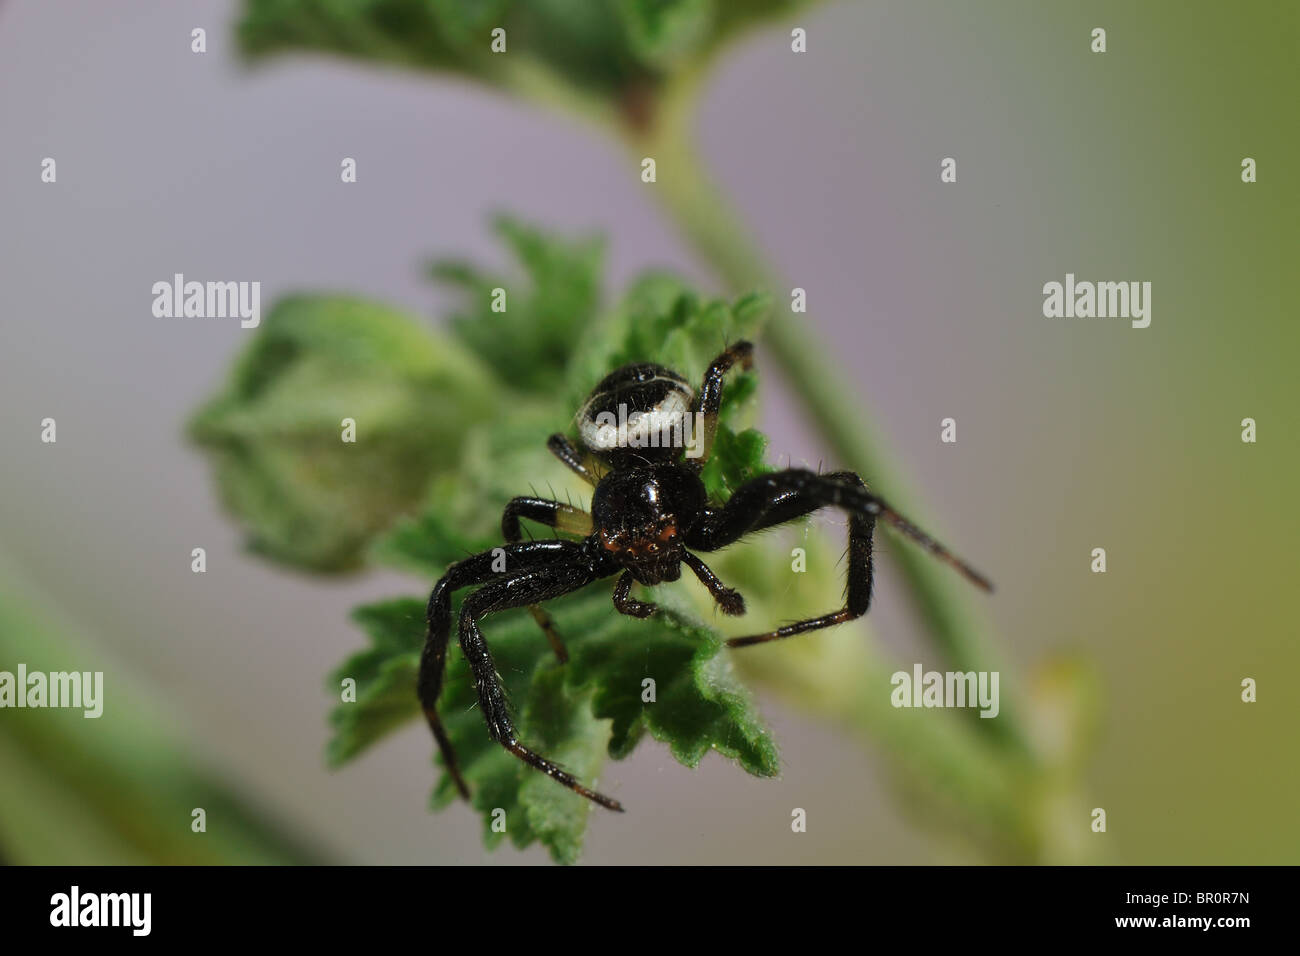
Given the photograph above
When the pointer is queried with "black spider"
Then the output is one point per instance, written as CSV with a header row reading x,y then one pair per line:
x,y
644,437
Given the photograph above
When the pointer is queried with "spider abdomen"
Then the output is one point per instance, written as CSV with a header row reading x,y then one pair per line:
x,y
639,412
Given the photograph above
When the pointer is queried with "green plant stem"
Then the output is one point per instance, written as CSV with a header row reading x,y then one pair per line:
x,y
712,227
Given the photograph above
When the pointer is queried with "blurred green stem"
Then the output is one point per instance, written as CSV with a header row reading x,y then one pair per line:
x,y
119,789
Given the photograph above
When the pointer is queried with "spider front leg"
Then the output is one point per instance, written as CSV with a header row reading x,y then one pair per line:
x,y
625,604
729,599
525,587
580,463
553,514
433,660
708,400
782,496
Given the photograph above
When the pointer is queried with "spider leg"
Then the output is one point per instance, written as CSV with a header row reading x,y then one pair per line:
x,y
782,496
580,463
728,599
433,660
553,514
547,624
624,603
709,398
525,587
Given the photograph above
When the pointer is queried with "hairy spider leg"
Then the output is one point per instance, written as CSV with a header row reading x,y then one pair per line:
x,y
580,463
728,599
520,558
553,514
623,601
526,587
782,496
708,400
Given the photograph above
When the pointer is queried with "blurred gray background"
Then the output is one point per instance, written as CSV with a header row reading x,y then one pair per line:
x,y
174,162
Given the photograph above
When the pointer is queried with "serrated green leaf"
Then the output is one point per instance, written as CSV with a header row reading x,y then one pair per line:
x,y
384,675
574,714
737,457
610,48
416,33
661,319
567,731
576,39
546,311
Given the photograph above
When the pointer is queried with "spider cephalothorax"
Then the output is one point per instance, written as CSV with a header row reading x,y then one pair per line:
x,y
643,516
644,438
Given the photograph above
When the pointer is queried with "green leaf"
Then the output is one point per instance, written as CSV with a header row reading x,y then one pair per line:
x,y
574,714
384,673
546,311
661,319
275,432
666,32
737,457
614,49
424,33
462,512
577,39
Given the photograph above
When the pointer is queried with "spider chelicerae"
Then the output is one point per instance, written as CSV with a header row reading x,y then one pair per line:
x,y
649,512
